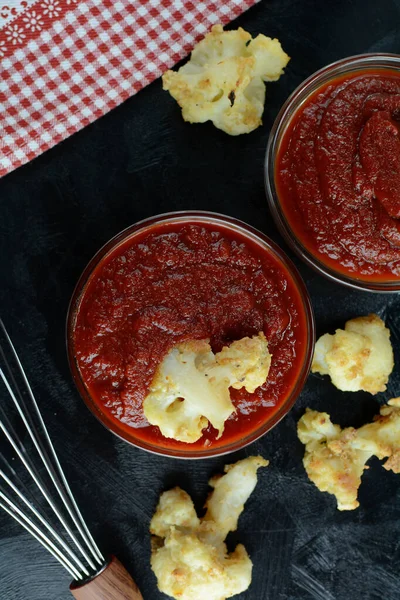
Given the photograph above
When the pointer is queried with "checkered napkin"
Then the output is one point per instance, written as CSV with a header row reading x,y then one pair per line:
x,y
65,63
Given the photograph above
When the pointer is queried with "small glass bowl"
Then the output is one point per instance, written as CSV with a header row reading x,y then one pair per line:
x,y
232,225
358,64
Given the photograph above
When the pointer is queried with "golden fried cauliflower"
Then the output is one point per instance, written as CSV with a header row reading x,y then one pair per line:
x,y
335,458
223,81
189,556
358,358
191,385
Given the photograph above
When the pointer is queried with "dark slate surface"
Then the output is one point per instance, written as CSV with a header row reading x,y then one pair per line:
x,y
140,160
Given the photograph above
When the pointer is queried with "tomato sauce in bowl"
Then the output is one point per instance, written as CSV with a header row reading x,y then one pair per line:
x,y
179,277
334,171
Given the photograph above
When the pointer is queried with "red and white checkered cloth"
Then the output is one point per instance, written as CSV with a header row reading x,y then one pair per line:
x,y
65,63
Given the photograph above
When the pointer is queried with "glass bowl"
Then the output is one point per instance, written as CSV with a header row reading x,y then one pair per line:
x,y
357,65
233,227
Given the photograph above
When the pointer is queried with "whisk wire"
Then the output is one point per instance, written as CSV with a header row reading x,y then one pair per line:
x,y
67,498
46,543
41,518
39,435
36,478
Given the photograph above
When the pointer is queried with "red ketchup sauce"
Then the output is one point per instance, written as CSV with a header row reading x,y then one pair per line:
x,y
176,282
338,174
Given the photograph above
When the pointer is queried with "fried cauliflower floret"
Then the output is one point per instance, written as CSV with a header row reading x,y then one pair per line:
x,y
175,509
230,492
358,358
335,458
223,81
189,556
336,469
245,363
191,385
382,437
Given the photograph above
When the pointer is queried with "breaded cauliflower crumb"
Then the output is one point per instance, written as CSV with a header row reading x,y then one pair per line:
x,y
191,386
189,556
358,358
335,458
223,81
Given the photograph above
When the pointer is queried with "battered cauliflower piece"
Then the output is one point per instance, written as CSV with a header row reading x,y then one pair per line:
x,y
189,556
230,492
223,81
175,509
191,385
358,358
335,458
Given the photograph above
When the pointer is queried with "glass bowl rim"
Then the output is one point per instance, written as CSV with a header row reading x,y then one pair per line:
x,y
356,63
234,225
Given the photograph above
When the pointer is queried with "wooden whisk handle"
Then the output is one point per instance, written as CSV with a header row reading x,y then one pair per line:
x,y
113,583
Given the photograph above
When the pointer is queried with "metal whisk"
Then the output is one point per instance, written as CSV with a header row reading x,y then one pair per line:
x,y
95,577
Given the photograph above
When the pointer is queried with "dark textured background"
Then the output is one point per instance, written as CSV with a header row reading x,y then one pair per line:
x,y
140,160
